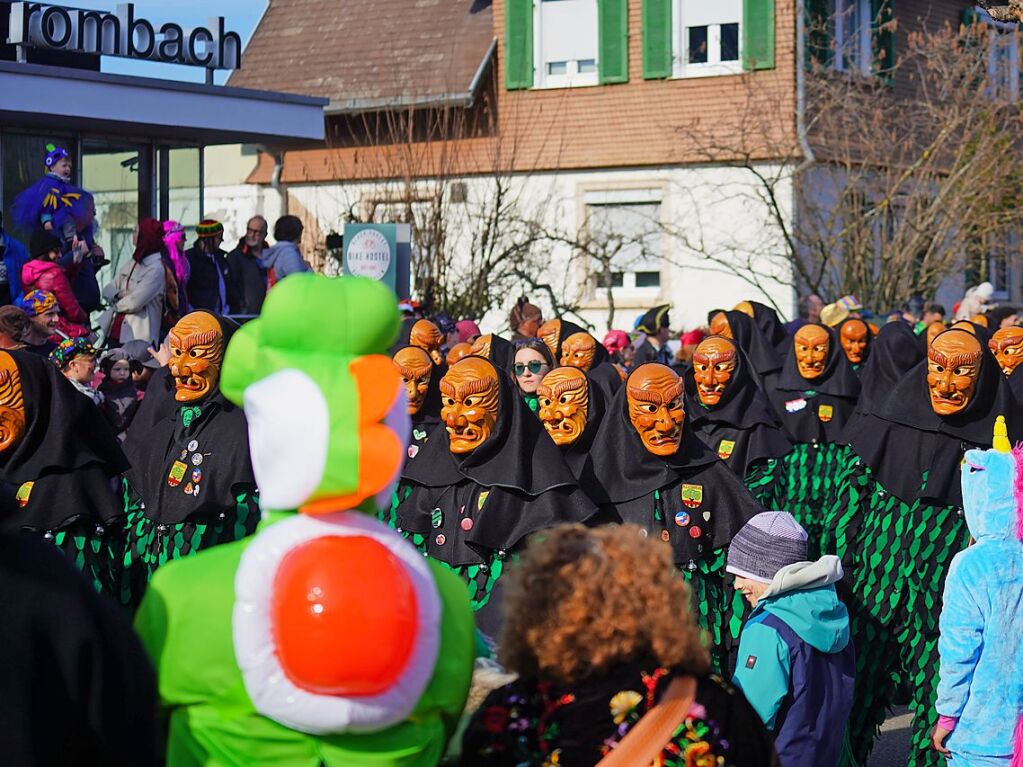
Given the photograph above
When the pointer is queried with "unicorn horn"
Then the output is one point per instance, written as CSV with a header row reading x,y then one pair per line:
x,y
1001,436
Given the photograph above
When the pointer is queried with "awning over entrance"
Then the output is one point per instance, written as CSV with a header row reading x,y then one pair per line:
x,y
188,113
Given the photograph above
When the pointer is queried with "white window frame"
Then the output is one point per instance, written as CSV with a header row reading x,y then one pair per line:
x,y
628,291
1003,37
680,50
572,78
863,25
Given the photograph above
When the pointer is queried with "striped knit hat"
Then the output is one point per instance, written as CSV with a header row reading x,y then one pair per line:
x,y
766,544
209,227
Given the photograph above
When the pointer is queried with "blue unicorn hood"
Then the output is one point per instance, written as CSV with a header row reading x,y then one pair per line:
x,y
993,490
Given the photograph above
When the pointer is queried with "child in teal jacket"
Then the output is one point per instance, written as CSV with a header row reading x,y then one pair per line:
x,y
980,693
796,663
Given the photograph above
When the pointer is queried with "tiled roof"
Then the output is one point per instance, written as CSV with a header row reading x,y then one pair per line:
x,y
363,54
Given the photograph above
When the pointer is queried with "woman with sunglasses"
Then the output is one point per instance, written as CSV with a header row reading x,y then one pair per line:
x,y
532,362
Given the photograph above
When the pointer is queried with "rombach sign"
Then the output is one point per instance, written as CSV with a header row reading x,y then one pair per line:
x,y
121,33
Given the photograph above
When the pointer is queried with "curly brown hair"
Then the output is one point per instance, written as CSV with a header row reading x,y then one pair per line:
x,y
584,600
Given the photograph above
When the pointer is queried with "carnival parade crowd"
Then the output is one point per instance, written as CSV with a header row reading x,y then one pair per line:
x,y
290,521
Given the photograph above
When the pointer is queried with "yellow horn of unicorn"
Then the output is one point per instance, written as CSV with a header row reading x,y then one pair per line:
x,y
1001,436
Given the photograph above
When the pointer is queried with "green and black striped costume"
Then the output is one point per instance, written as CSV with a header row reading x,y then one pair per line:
x,y
151,543
897,523
814,412
900,554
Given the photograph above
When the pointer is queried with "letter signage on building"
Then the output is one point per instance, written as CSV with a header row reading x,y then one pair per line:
x,y
101,33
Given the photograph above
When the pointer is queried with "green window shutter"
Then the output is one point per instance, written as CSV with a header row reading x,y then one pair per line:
x,y
656,39
758,34
819,33
518,44
883,15
613,41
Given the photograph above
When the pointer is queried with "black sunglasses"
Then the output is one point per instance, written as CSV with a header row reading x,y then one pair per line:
x,y
535,366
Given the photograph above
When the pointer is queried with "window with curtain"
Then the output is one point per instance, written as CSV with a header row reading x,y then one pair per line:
x,y
626,237
853,23
565,43
707,37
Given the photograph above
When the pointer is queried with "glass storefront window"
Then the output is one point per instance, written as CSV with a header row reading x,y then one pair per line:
x,y
111,171
183,188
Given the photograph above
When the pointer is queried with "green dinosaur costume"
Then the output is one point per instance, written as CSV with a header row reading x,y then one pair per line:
x,y
325,639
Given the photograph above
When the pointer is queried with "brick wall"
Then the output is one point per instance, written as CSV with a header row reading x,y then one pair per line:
x,y
641,123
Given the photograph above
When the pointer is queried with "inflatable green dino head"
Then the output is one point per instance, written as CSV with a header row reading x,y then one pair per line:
x,y
326,411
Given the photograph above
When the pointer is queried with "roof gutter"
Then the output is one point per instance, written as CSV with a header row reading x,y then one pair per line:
x,y
804,139
463,99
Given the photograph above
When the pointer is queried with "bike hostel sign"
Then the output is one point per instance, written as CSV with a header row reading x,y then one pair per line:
x,y
122,33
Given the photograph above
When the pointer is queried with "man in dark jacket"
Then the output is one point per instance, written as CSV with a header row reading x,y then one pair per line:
x,y
247,277
208,285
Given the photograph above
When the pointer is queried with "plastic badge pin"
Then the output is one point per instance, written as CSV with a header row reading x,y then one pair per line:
x,y
177,473
692,495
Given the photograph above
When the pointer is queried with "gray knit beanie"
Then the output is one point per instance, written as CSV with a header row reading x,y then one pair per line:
x,y
766,544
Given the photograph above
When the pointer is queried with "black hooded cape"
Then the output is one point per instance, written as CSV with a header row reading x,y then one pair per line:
x,y
428,416
895,350
702,503
68,452
1016,384
502,354
602,372
766,320
764,360
817,411
514,484
742,428
578,452
213,449
908,439
870,342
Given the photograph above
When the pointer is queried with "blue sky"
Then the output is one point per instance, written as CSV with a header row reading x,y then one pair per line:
x,y
240,16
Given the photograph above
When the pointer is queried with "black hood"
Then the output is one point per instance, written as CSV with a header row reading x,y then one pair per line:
x,y
903,438
518,455
764,360
895,350
870,341
837,379
767,321
743,420
68,451
429,412
518,471
160,441
620,468
817,411
578,452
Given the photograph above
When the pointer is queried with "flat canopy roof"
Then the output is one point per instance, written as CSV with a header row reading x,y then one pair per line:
x,y
55,97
